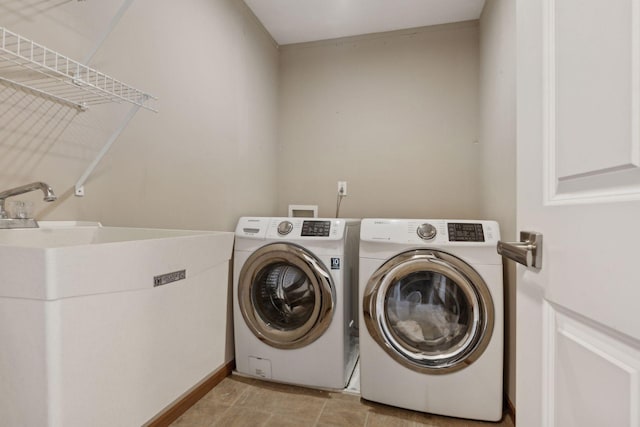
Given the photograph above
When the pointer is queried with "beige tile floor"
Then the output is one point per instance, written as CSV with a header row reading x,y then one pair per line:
x,y
239,401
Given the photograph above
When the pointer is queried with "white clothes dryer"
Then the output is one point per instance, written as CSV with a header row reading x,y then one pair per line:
x,y
431,338
295,300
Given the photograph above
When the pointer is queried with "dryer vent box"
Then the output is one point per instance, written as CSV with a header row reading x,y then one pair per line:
x,y
305,211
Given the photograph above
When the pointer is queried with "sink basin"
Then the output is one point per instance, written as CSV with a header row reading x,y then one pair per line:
x,y
71,233
107,326
65,259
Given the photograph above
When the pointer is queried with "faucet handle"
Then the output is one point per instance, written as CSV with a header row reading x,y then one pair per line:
x,y
21,209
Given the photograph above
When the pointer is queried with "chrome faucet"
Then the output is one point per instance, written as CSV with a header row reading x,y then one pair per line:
x,y
49,195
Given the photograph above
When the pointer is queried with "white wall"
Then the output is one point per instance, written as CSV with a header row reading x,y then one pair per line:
x,y
393,114
206,158
498,146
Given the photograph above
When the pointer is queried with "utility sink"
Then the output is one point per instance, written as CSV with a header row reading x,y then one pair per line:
x,y
64,259
107,326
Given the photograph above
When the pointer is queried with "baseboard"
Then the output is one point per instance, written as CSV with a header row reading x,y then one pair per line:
x,y
511,410
180,406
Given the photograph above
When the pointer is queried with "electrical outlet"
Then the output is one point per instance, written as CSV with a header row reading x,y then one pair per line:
x,y
342,188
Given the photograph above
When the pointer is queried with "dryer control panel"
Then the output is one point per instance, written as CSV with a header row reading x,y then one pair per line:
x,y
465,232
430,231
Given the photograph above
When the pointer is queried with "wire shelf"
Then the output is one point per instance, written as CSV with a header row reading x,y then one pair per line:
x,y
28,66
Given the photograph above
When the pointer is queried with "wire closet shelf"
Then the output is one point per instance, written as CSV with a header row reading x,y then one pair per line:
x,y
33,68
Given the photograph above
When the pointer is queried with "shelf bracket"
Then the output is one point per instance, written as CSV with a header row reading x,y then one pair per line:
x,y
79,187
112,24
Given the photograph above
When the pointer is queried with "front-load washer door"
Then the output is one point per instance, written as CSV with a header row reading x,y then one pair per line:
x,y
429,310
286,295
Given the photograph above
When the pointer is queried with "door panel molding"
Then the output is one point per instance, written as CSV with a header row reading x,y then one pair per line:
x,y
610,395
612,171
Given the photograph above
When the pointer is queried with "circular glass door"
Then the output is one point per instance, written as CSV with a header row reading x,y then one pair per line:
x,y
286,295
429,310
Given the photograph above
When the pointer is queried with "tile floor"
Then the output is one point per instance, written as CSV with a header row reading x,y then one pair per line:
x,y
239,401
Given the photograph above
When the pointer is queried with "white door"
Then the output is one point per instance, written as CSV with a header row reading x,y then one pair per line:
x,y
578,317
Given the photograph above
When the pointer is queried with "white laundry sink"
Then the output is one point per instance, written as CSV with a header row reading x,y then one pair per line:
x,y
60,260
107,325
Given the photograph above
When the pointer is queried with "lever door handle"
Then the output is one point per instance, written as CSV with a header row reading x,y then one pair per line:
x,y
528,251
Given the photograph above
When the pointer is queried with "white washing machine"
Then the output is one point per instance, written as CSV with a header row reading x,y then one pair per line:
x,y
295,300
432,302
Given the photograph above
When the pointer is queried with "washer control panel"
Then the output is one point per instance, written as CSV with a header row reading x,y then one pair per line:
x,y
291,228
313,228
426,231
285,228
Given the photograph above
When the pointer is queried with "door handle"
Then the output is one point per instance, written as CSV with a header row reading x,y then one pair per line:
x,y
528,251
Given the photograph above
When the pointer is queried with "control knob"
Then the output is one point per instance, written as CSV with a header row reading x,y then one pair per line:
x,y
285,228
426,231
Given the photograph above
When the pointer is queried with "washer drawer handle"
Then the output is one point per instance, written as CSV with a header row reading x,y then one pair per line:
x,y
528,251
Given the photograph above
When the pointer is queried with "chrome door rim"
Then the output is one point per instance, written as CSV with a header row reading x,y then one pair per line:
x,y
464,276
320,279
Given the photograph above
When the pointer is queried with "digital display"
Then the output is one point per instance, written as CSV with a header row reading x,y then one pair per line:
x,y
316,228
465,232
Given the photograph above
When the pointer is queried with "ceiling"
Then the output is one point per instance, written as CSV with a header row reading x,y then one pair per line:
x,y
298,21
